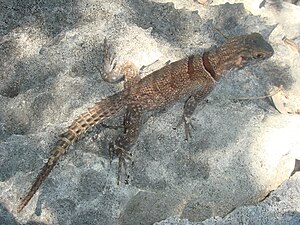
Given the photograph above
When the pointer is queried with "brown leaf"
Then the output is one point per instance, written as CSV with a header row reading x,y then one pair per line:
x,y
203,2
296,167
292,44
280,100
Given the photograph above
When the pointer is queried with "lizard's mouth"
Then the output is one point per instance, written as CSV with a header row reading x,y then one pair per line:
x,y
242,61
248,60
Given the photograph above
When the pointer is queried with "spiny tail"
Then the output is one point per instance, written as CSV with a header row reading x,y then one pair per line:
x,y
101,111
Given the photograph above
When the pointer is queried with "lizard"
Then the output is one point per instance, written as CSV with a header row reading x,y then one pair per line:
x,y
192,77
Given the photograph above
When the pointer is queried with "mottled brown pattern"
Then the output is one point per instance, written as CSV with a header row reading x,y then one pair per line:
x,y
192,77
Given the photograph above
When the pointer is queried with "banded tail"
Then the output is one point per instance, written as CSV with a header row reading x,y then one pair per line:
x,y
101,111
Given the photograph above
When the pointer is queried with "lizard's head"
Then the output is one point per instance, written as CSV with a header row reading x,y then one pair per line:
x,y
247,49
238,52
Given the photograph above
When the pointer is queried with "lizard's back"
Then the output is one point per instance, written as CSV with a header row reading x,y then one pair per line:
x,y
170,83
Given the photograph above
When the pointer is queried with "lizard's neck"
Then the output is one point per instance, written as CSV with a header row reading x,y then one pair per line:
x,y
209,67
218,61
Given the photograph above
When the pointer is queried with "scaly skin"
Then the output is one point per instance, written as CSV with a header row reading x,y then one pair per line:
x,y
192,77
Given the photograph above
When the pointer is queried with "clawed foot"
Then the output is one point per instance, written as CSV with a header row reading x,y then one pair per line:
x,y
124,156
144,70
109,64
187,126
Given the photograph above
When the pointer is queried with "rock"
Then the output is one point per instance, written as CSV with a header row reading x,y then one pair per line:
x,y
281,207
240,150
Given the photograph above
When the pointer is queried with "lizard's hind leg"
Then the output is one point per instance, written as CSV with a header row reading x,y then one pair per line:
x,y
132,119
123,143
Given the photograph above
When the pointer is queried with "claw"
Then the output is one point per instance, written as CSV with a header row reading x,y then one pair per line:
x,y
123,155
187,126
109,64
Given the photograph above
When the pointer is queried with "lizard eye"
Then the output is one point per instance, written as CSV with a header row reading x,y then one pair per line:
x,y
259,55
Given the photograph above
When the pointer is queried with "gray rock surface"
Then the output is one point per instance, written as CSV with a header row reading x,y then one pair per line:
x,y
240,150
281,207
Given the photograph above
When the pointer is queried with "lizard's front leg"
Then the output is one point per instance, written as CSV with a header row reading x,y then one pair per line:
x,y
114,73
190,106
123,143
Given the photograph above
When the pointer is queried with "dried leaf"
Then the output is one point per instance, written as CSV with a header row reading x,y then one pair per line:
x,y
280,100
203,2
296,167
292,44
